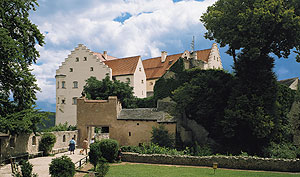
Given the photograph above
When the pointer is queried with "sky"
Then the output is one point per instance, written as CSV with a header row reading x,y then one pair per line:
x,y
123,28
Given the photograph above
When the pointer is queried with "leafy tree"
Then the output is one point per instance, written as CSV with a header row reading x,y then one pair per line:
x,y
95,153
18,37
98,90
162,137
109,149
204,98
47,142
256,28
262,25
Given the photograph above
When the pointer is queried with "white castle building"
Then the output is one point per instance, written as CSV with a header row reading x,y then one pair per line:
x,y
83,63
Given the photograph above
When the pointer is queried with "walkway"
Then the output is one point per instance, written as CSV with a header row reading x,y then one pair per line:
x,y
41,164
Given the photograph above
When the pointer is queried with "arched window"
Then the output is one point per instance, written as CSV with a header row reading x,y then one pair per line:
x,y
34,140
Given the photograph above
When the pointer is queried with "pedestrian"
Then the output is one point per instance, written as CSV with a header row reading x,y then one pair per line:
x,y
72,145
92,141
85,145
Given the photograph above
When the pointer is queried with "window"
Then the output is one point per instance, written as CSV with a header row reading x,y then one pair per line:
x,y
151,83
170,62
140,69
64,138
214,57
129,133
75,84
63,101
71,69
104,129
77,59
57,100
137,123
84,58
12,142
63,83
57,84
142,81
74,100
142,92
33,140
128,79
91,69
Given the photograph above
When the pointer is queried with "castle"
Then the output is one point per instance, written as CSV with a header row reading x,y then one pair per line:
x,y
83,63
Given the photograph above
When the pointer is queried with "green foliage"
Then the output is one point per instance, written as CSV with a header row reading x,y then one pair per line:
x,y
26,170
148,102
204,97
95,153
21,122
101,90
109,149
47,122
101,168
162,137
263,25
18,38
47,142
62,167
284,150
152,148
198,150
61,127
165,85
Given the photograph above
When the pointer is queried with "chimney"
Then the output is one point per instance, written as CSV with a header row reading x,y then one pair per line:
x,y
105,55
163,56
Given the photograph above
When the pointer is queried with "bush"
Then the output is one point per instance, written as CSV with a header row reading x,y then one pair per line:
x,y
47,142
26,170
287,151
162,137
109,149
95,153
198,150
102,167
148,102
62,167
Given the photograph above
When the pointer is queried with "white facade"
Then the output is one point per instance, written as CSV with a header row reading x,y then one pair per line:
x,y
214,59
70,79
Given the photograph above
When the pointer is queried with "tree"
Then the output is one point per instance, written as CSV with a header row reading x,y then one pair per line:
x,y
256,28
18,37
162,137
264,26
62,167
101,90
204,98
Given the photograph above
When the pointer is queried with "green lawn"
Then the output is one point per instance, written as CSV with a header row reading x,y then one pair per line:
x,y
140,170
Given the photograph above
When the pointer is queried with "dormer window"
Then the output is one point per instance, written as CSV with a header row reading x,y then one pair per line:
x,y
170,62
77,59
71,69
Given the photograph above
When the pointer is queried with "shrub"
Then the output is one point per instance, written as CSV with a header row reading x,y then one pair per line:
x,y
26,170
95,153
62,167
162,137
102,167
109,149
47,143
198,150
61,127
286,150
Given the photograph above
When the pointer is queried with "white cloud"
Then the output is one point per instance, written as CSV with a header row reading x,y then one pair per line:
x,y
155,25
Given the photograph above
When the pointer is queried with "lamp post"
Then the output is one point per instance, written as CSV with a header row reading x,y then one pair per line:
x,y
215,166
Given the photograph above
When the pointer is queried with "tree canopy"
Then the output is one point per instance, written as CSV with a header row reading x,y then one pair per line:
x,y
263,26
98,90
18,37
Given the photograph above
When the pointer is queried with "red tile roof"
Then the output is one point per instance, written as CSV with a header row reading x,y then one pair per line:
x,y
154,68
123,66
101,56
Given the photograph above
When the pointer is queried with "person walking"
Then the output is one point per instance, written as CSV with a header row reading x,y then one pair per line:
x,y
85,145
72,145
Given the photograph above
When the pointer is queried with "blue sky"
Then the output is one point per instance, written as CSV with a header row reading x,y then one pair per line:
x,y
123,28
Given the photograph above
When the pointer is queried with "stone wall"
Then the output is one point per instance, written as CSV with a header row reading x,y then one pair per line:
x,y
29,143
234,162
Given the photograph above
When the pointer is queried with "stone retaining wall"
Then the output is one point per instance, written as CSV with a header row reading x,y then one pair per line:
x,y
234,162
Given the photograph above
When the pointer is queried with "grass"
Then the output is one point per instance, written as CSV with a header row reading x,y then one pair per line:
x,y
140,170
